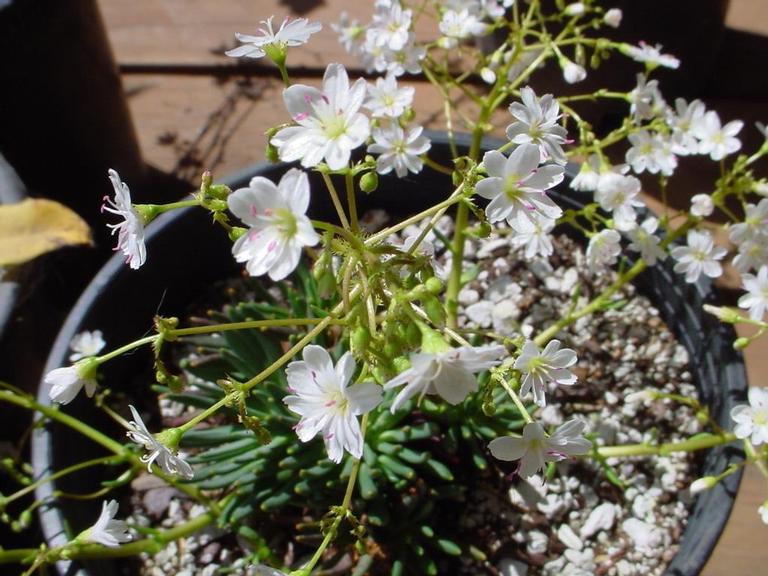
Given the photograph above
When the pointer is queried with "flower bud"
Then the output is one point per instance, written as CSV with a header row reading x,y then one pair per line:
x,y
434,285
484,229
741,343
572,72
703,484
359,339
488,75
434,309
724,314
369,182
613,17
575,9
219,191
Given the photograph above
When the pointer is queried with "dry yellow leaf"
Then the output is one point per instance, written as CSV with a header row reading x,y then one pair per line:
x,y
36,226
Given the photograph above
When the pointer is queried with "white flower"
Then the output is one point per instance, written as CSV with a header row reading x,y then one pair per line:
x,y
460,25
167,460
541,367
752,421
617,193
763,511
715,140
754,225
575,9
449,374
650,152
329,124
752,254
572,72
107,531
685,124
535,449
702,205
756,301
398,150
603,248
390,26
613,17
700,255
537,124
645,99
532,232
650,55
385,99
279,227
516,186
589,175
130,232
702,484
86,344
321,395
351,34
644,241
67,382
291,33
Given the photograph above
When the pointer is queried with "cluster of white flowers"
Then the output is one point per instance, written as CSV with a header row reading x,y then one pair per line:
x,y
398,145
387,44
517,185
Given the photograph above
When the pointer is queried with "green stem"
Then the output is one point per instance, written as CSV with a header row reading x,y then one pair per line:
x,y
384,234
335,200
594,305
454,279
66,419
175,205
691,445
351,201
272,368
345,505
436,165
130,346
516,399
61,473
151,545
247,325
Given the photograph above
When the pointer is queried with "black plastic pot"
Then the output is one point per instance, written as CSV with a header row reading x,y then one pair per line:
x,y
11,191
186,255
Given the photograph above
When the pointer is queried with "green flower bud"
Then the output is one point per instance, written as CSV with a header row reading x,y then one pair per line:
x,y
412,334
484,230
434,309
741,343
703,484
219,192
359,339
271,153
434,285
369,182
